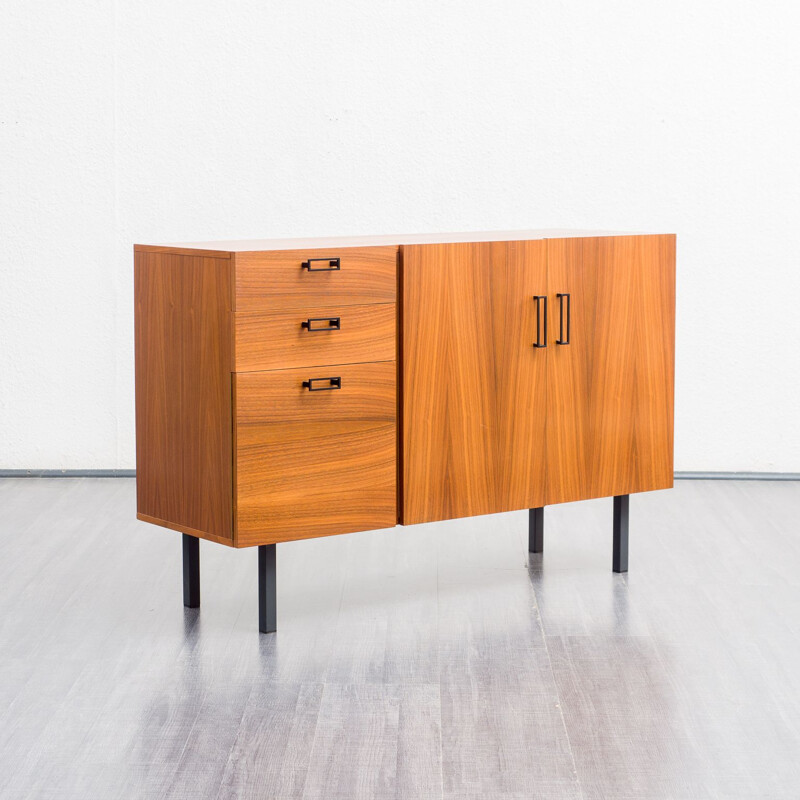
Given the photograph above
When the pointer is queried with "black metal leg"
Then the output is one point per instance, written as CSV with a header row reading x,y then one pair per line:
x,y
536,530
267,609
191,571
621,533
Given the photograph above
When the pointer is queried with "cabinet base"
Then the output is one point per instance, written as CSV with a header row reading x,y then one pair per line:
x,y
620,560
191,571
620,546
536,530
267,583
267,606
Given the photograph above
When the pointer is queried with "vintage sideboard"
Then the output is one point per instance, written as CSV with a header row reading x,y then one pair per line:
x,y
288,389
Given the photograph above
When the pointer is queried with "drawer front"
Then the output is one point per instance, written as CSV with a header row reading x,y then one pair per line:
x,y
314,462
314,336
293,279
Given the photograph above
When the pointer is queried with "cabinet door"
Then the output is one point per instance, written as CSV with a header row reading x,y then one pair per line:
x,y
473,386
610,390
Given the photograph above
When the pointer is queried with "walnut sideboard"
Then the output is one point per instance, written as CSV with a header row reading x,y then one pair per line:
x,y
288,389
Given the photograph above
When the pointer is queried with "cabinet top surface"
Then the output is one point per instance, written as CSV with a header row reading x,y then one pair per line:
x,y
250,245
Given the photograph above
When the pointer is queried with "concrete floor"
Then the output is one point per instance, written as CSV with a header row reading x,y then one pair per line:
x,y
436,661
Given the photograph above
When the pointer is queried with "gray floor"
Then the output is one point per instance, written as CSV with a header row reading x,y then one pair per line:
x,y
426,662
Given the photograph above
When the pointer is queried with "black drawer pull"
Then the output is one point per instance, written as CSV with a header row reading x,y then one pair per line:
x,y
561,339
334,324
541,340
334,383
333,264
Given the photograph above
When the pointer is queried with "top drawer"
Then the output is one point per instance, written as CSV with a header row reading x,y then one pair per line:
x,y
288,279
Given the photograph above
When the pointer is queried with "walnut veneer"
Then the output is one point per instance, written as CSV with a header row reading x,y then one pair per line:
x,y
460,411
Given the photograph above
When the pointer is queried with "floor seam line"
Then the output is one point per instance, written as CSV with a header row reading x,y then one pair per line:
x,y
439,670
558,696
313,740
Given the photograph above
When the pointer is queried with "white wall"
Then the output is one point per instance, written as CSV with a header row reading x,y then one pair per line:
x,y
150,121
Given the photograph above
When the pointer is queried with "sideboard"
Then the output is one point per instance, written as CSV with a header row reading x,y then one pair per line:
x,y
288,389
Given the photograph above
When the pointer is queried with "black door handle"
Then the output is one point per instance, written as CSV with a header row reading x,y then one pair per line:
x,y
334,324
333,263
561,339
333,383
541,340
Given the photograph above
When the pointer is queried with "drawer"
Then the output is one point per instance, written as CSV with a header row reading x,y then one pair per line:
x,y
310,337
289,279
314,462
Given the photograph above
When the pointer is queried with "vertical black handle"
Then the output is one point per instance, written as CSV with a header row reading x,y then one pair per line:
x,y
541,329
561,339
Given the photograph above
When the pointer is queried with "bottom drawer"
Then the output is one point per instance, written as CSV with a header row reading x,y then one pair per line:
x,y
318,460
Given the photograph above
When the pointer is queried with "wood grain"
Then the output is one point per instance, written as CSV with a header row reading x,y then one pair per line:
x,y
488,423
175,526
278,341
181,251
610,391
474,391
276,281
314,463
183,394
206,396
380,742
158,341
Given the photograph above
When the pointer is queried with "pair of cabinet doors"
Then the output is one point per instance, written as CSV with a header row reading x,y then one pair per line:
x,y
492,423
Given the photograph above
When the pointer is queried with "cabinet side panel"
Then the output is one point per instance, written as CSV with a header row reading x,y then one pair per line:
x,y
183,396
656,374
206,393
158,353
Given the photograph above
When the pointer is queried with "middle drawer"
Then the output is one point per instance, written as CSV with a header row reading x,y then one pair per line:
x,y
313,337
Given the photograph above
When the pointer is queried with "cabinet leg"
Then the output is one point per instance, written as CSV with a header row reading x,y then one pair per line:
x,y
267,609
621,533
536,530
191,571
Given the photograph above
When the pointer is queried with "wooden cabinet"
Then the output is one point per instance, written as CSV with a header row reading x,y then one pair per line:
x,y
492,422
299,388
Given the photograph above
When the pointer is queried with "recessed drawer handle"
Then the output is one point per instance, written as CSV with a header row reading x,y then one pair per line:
x,y
334,324
333,383
333,264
